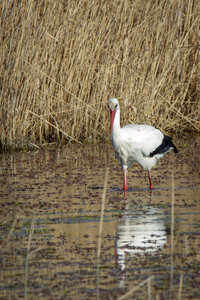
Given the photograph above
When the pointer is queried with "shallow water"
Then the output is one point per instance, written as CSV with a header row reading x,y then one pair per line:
x,y
50,207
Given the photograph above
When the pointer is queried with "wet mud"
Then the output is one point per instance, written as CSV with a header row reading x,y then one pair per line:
x,y
50,210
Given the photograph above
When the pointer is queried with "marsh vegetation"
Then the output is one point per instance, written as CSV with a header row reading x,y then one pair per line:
x,y
62,60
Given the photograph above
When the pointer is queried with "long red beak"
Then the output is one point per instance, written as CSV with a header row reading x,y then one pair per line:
x,y
112,116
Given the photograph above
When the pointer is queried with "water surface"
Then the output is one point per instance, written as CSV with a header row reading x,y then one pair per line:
x,y
50,207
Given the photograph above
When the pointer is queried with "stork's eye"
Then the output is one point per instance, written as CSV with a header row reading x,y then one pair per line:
x,y
115,106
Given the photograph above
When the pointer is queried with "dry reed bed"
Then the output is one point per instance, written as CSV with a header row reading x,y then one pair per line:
x,y
62,61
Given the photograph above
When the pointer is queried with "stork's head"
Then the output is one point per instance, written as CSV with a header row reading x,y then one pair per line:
x,y
113,105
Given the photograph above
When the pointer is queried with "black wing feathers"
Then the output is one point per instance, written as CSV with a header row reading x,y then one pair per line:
x,y
164,147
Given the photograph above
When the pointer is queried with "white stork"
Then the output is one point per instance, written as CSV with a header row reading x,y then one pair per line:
x,y
143,144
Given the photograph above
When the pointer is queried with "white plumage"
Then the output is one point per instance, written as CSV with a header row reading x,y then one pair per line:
x,y
143,144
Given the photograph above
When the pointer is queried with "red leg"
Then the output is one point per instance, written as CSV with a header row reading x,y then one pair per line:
x,y
150,182
125,178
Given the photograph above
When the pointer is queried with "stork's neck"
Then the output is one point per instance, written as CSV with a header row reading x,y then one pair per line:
x,y
116,123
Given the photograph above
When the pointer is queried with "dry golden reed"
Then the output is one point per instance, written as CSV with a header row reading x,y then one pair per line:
x,y
62,60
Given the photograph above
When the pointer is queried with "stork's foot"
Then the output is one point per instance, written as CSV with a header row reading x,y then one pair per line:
x,y
125,188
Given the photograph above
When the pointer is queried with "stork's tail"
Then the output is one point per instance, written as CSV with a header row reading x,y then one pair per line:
x,y
166,145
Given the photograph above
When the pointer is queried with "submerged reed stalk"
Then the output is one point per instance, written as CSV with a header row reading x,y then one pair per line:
x,y
148,281
27,257
11,230
62,60
101,229
180,287
172,237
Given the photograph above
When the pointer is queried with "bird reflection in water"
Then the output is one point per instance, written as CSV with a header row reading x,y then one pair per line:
x,y
140,233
